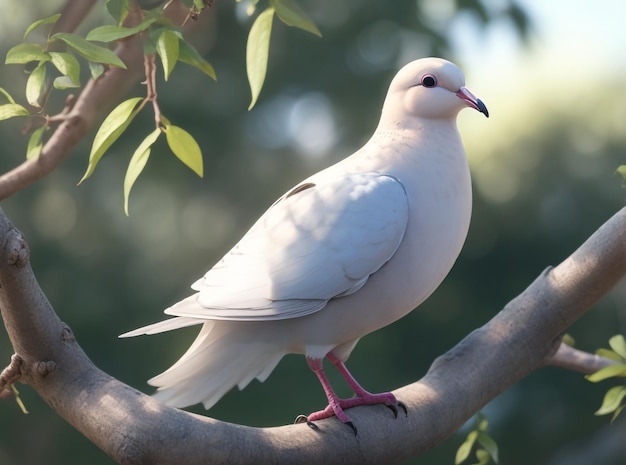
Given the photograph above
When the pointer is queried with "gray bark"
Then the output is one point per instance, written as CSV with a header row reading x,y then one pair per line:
x,y
134,429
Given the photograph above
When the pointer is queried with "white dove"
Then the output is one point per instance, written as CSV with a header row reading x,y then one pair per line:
x,y
347,251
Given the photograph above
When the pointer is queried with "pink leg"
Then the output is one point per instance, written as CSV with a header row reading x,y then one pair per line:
x,y
363,397
336,405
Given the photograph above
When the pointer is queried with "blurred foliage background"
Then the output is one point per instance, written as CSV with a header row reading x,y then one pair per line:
x,y
543,169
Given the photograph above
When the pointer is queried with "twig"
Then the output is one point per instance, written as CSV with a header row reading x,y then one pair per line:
x,y
578,360
12,373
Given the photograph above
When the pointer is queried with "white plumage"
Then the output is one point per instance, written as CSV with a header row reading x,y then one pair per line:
x,y
347,251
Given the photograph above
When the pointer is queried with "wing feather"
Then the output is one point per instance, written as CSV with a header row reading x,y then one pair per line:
x,y
314,244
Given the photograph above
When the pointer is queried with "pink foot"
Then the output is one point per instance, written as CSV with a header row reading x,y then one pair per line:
x,y
336,406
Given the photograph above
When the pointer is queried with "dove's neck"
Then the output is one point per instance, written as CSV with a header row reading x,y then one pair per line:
x,y
403,144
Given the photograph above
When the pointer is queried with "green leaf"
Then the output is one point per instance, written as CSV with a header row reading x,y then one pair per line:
x,y
49,20
618,410
67,65
168,49
7,95
111,129
64,82
25,53
137,164
483,457
35,143
89,50
606,353
464,450
292,15
621,171
489,444
96,70
18,400
257,52
185,147
481,422
612,400
618,344
11,110
111,33
34,84
199,5
189,55
569,340
118,9
612,371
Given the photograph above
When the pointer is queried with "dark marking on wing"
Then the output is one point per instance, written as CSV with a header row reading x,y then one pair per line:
x,y
300,188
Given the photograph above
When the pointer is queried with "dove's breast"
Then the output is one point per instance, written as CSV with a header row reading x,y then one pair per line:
x,y
438,185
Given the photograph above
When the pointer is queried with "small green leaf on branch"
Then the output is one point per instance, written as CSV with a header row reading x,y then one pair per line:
x,y
41,22
118,9
189,55
184,146
67,65
167,47
35,143
257,52
11,110
611,371
25,53
621,171
89,50
111,129
618,344
612,400
137,164
111,33
292,15
35,84
18,400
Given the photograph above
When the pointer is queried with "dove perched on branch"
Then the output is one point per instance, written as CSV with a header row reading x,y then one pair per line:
x,y
347,251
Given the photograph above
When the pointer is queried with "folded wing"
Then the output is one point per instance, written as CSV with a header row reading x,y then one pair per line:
x,y
321,240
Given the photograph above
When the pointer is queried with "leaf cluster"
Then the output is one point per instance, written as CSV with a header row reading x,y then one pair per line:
x,y
479,440
160,37
613,401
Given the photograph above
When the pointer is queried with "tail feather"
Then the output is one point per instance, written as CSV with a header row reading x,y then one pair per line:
x,y
162,326
221,357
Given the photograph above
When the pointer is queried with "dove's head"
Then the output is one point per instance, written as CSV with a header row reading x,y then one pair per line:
x,y
430,88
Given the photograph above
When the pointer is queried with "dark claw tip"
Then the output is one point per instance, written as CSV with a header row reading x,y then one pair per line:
x,y
304,419
393,408
351,425
403,407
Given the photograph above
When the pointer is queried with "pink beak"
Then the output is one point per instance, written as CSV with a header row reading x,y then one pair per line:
x,y
471,100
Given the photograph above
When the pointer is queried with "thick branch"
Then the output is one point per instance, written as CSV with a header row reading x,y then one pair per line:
x,y
133,428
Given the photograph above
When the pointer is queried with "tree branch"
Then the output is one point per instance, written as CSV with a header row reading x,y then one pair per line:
x,y
578,360
133,428
98,96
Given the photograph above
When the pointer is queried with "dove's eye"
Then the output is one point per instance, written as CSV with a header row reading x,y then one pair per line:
x,y
429,80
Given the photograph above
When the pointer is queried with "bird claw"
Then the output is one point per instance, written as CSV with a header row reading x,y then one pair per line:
x,y
304,419
394,408
351,425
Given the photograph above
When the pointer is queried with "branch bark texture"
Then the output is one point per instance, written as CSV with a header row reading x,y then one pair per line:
x,y
134,429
